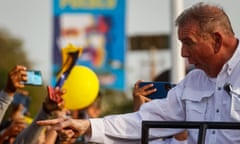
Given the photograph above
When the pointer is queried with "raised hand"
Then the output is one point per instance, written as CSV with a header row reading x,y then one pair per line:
x,y
15,79
13,130
140,94
54,100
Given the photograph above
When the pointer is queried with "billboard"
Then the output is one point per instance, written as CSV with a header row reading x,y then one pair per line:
x,y
98,27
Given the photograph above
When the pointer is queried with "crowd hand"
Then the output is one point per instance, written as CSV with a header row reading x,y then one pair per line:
x,y
15,128
15,78
140,94
54,100
68,128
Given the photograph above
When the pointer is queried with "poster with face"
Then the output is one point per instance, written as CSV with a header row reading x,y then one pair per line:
x,y
98,28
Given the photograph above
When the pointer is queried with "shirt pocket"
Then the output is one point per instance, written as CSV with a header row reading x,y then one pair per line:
x,y
196,103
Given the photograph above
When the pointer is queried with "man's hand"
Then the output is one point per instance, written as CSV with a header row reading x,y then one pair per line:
x,y
68,128
15,128
15,78
140,94
54,100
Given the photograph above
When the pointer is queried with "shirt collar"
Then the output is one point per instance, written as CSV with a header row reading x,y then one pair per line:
x,y
232,62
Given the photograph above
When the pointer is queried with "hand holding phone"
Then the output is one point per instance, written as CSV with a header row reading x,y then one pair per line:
x,y
162,89
34,78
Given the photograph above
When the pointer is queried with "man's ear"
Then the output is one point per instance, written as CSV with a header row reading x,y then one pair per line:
x,y
218,41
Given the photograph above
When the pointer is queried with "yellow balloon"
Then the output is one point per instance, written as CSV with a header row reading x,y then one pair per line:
x,y
82,86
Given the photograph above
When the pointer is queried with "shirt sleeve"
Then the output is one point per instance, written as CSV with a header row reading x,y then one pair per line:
x,y
127,127
97,130
5,101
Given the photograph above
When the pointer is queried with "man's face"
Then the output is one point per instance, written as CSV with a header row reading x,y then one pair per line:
x,y
198,50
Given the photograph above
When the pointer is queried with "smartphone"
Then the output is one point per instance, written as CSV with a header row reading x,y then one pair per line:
x,y
162,89
34,78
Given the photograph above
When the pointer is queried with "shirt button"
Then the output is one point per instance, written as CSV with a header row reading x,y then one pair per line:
x,y
219,88
217,110
213,132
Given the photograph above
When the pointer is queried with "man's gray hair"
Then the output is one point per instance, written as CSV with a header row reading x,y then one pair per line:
x,y
208,16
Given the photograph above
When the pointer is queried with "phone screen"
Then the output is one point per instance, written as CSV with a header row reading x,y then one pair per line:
x,y
34,77
162,89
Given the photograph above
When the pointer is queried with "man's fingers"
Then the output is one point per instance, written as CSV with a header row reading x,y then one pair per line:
x,y
147,92
55,95
65,134
136,85
50,122
148,86
147,99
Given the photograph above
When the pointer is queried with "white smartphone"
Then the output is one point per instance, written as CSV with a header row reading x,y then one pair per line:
x,y
34,78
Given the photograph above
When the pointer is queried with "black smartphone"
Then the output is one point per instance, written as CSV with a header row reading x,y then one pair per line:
x,y
34,78
162,89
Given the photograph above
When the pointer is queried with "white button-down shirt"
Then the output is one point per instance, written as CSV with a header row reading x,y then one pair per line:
x,y
196,98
